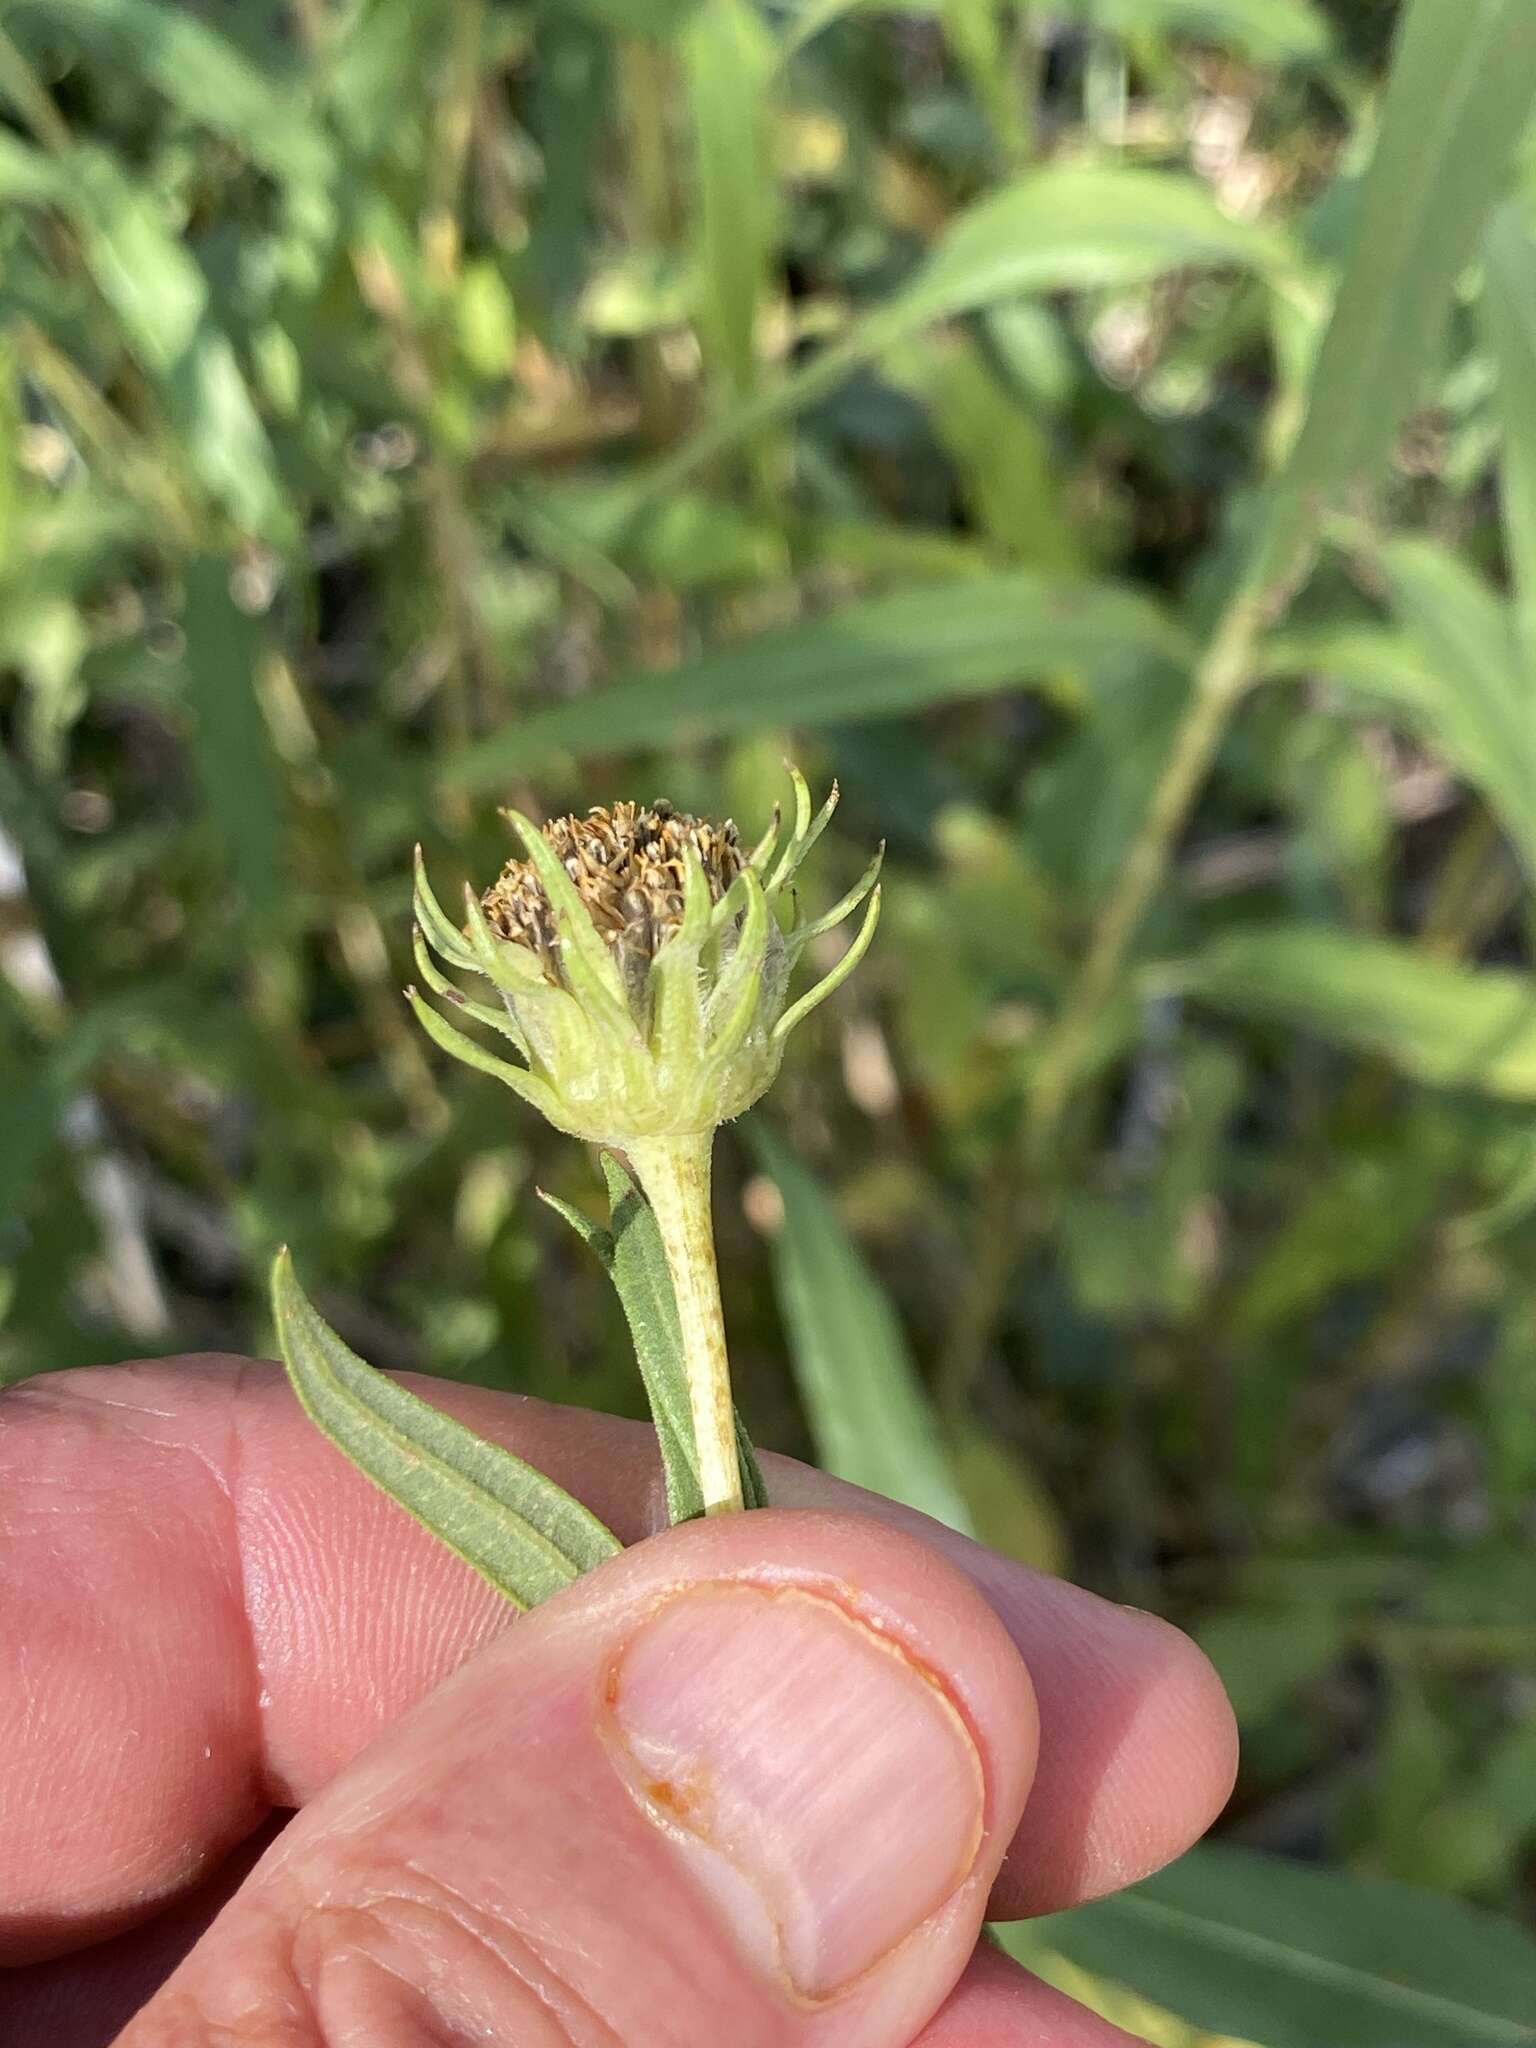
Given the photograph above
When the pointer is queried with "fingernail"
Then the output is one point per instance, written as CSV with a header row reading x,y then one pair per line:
x,y
824,1788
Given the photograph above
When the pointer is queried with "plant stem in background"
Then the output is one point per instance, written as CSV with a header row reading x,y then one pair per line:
x,y
675,1175
1221,680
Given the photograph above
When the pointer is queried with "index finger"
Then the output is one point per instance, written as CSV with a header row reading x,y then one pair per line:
x,y
208,1612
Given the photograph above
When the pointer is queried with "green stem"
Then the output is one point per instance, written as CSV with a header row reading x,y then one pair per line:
x,y
675,1174
1220,681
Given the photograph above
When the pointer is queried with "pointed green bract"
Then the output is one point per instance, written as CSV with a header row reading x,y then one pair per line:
x,y
483,1013
449,942
676,1017
807,831
762,853
588,964
739,990
464,1048
516,1527
513,969
803,934
798,1012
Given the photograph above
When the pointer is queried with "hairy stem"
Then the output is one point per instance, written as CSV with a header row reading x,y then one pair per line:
x,y
675,1175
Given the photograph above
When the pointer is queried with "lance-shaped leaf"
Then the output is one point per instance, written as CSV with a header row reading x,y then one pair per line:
x,y
518,1529
634,1260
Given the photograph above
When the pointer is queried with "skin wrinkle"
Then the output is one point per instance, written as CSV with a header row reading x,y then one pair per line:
x,y
511,1949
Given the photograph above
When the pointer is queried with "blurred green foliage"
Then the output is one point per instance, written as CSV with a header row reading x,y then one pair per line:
x,y
1101,434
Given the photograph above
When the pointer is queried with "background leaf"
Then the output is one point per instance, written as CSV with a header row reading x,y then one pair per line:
x,y
1457,100
873,660
1451,1026
1271,1951
1508,309
867,1408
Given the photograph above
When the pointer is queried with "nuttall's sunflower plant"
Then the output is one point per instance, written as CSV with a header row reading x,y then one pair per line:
x,y
641,960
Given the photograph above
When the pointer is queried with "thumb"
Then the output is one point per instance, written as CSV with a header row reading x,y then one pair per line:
x,y
749,1782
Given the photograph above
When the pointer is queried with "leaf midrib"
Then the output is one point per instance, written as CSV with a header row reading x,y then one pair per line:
x,y
1327,1970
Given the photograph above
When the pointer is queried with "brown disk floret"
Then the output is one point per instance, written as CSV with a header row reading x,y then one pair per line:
x,y
627,863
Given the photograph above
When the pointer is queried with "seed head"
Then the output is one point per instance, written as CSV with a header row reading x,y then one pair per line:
x,y
630,867
642,957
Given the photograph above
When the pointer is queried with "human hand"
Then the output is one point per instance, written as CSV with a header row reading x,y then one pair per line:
x,y
750,1783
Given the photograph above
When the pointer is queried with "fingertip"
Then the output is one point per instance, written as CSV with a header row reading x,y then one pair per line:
x,y
1152,1766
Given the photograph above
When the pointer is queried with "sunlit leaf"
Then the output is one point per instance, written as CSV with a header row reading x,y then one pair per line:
x,y
517,1528
1460,91
1296,1957
880,659
870,1416
1452,1026
632,1256
1508,310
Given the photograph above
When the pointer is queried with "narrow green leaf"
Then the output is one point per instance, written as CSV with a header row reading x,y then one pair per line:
x,y
1459,94
644,1285
657,19
1256,1946
516,1527
1066,227
879,659
1002,453
632,1256
1508,311
639,1273
728,61
1451,1026
1467,637
160,298
1448,673
868,1411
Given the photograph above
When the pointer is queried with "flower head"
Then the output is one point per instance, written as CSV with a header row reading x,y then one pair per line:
x,y
643,960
